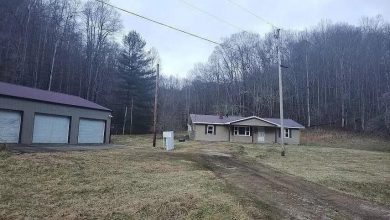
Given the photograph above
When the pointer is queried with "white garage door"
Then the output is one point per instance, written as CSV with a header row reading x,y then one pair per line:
x,y
9,126
50,129
91,131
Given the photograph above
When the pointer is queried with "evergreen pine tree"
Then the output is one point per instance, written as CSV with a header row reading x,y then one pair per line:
x,y
136,81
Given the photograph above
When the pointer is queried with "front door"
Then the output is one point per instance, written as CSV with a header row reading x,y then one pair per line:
x,y
260,135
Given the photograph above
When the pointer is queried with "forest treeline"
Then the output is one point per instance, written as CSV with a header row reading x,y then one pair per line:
x,y
69,46
338,74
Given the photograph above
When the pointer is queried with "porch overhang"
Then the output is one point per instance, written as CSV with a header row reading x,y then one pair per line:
x,y
253,121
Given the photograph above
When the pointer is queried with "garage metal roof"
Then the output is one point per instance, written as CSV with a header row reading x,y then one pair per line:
x,y
215,119
23,92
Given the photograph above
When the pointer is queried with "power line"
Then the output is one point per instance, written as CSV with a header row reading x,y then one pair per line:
x,y
160,23
212,15
223,46
253,14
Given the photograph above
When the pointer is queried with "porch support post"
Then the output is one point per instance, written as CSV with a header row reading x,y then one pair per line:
x,y
229,132
251,129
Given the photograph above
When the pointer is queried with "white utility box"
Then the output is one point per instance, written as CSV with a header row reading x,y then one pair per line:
x,y
168,138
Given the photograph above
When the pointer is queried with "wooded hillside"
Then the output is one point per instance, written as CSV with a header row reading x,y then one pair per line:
x,y
69,47
337,75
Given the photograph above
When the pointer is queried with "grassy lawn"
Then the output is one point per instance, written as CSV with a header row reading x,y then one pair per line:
x,y
365,174
134,182
343,139
137,181
350,163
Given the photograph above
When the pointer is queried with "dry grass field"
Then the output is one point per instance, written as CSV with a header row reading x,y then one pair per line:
x,y
352,164
365,174
137,181
344,139
134,182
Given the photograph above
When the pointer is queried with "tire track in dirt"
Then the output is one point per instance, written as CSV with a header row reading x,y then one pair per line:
x,y
293,197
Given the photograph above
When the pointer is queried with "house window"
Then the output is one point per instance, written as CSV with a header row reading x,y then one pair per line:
x,y
210,129
242,131
287,133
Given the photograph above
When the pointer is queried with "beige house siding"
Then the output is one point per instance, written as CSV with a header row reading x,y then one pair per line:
x,y
241,139
295,137
221,134
254,122
269,135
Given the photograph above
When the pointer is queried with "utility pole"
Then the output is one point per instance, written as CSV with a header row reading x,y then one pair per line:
x,y
188,95
277,36
124,122
155,106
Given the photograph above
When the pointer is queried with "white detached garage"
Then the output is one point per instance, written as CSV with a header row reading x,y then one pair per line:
x,y
35,116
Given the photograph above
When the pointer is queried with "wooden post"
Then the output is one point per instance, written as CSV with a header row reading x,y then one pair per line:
x,y
124,122
155,107
131,115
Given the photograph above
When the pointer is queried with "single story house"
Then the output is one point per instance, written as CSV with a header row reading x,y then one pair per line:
x,y
30,116
251,129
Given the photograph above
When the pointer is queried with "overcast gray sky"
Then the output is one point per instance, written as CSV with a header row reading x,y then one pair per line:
x,y
179,52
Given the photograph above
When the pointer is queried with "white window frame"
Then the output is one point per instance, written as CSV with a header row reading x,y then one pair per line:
x,y
237,131
287,133
208,129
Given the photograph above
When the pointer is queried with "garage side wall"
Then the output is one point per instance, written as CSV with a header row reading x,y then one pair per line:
x,y
29,108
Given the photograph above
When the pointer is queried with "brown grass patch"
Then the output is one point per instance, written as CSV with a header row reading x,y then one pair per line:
x,y
344,139
351,165
140,183
348,162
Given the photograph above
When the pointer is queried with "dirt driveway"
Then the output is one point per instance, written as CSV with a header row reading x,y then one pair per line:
x,y
289,196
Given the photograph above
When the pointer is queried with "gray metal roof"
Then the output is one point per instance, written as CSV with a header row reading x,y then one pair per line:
x,y
23,92
215,119
289,123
